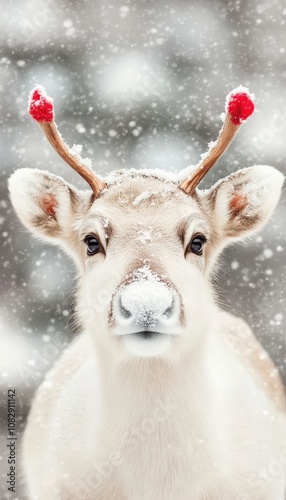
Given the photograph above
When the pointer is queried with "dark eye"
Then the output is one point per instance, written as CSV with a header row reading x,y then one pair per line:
x,y
92,244
197,243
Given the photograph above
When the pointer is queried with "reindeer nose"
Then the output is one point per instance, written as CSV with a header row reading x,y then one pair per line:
x,y
144,314
146,308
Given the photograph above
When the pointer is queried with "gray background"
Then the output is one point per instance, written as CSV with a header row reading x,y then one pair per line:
x,y
139,84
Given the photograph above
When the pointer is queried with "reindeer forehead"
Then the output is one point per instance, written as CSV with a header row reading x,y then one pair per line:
x,y
141,207
143,195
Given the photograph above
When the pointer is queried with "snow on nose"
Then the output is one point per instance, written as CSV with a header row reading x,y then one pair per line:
x,y
146,303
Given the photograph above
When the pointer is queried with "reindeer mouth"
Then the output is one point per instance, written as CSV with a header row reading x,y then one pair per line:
x,y
147,343
148,334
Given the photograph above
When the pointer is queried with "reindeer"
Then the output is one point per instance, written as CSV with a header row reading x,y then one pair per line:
x,y
163,396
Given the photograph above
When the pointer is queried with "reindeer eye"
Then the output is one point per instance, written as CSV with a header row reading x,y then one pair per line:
x,y
92,244
197,243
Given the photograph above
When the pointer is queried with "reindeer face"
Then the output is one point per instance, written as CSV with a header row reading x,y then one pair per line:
x,y
144,261
145,249
145,246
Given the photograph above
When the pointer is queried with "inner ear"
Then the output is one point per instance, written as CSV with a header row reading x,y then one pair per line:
x,y
46,204
238,203
49,203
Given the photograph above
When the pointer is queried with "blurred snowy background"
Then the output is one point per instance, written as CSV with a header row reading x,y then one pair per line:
x,y
139,84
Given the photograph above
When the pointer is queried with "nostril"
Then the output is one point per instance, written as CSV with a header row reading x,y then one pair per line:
x,y
169,311
125,313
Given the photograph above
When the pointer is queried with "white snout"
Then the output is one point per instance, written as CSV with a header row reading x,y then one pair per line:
x,y
147,315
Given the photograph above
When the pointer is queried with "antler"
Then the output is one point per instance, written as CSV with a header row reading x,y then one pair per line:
x,y
41,109
239,106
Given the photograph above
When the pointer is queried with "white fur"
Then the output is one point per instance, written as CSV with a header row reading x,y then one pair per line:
x,y
185,415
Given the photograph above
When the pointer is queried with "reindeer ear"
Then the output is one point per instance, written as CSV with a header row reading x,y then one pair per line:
x,y
241,203
45,203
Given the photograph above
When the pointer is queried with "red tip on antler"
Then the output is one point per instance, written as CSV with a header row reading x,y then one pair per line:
x,y
41,105
239,105
42,110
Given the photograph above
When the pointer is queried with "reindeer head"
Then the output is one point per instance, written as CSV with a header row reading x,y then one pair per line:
x,y
145,241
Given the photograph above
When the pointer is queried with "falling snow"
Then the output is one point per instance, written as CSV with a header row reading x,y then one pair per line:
x,y
140,85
